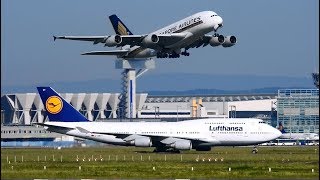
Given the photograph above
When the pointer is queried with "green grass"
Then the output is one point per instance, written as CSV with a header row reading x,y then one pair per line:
x,y
125,162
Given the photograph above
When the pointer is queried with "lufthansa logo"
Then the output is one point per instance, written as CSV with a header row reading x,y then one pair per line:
x,y
54,104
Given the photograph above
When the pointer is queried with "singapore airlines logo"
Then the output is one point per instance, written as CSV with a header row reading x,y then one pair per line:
x,y
122,29
54,104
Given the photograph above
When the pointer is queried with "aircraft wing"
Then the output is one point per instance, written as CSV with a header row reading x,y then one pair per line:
x,y
121,52
164,39
204,40
132,40
94,39
169,39
126,39
154,138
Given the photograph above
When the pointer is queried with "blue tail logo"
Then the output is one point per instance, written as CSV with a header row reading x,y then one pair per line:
x,y
281,128
57,108
119,26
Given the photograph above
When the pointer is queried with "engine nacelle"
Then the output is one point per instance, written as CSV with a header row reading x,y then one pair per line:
x,y
229,41
182,145
113,40
150,40
216,40
142,142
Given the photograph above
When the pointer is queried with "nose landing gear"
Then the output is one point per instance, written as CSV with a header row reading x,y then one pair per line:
x,y
185,53
255,149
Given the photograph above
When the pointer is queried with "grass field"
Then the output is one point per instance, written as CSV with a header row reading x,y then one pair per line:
x,y
130,162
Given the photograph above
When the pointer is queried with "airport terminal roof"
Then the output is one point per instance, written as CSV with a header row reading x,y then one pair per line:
x,y
208,98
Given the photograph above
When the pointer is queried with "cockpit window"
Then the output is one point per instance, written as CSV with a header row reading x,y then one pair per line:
x,y
214,15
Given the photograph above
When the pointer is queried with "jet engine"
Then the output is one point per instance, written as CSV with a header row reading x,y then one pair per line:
x,y
182,145
150,40
113,40
216,40
142,142
229,41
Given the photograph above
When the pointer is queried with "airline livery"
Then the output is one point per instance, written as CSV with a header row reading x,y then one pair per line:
x,y
200,134
167,42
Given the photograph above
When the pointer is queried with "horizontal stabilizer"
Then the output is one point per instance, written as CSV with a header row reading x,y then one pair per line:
x,y
83,130
52,126
114,52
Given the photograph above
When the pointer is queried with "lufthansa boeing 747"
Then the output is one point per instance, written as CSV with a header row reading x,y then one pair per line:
x,y
167,42
199,134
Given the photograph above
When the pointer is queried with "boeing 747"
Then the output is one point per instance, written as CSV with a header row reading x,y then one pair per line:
x,y
167,42
199,134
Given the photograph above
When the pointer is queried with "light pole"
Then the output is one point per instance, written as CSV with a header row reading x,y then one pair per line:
x,y
155,111
233,111
178,112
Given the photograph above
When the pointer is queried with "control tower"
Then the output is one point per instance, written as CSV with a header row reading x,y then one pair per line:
x,y
132,69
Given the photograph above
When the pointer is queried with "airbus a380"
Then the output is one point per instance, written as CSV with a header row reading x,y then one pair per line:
x,y
167,42
200,134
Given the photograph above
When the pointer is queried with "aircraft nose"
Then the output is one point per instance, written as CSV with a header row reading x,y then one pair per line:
x,y
219,22
277,133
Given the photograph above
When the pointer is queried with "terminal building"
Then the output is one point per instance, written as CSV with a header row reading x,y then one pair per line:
x,y
298,110
25,109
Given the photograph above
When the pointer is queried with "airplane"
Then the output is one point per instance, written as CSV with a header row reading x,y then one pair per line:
x,y
297,136
166,42
199,134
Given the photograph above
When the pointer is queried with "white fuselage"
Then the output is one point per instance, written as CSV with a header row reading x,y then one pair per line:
x,y
192,27
211,132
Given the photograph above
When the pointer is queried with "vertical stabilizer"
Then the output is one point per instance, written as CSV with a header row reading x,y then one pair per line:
x,y
57,108
119,27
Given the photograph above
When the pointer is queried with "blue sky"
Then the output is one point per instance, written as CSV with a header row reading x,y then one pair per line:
x,y
275,38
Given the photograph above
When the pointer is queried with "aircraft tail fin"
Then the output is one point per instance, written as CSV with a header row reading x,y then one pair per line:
x,y
281,128
119,27
57,108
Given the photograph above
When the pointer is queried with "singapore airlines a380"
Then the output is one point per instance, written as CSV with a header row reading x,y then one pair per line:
x,y
171,41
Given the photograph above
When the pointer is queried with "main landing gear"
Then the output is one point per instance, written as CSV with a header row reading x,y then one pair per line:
x,y
166,150
166,55
172,55
185,53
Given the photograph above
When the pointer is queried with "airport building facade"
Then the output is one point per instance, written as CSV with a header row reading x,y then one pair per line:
x,y
25,109
298,110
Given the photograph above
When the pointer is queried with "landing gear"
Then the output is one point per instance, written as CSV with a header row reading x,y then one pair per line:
x,y
185,53
171,55
174,55
215,35
162,55
165,150
255,150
